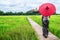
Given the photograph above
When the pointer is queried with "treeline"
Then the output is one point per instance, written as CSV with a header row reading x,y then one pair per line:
x,y
19,13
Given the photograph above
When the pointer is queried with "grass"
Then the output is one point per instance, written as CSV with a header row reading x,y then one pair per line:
x,y
54,25
16,28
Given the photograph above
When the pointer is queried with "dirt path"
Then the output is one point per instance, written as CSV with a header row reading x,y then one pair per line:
x,y
38,30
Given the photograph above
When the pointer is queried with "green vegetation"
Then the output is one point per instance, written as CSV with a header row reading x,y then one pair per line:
x,y
16,28
19,13
54,25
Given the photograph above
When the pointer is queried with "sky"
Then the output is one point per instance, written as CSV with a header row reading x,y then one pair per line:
x,y
25,5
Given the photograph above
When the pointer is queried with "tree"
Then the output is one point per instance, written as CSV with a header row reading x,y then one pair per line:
x,y
1,12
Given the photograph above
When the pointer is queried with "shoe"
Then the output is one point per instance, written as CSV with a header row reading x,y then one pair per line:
x,y
45,35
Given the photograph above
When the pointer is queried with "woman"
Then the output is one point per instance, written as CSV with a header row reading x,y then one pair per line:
x,y
45,24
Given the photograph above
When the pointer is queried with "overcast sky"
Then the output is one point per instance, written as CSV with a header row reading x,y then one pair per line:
x,y
25,5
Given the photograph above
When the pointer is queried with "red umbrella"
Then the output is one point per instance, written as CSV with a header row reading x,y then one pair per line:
x,y
47,9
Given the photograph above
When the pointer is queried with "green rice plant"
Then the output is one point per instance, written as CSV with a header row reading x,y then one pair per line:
x,y
16,28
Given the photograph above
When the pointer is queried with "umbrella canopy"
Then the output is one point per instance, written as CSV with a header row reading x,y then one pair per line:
x,y
47,9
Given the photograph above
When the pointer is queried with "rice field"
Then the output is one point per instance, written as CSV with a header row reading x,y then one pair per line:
x,y
16,28
54,23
